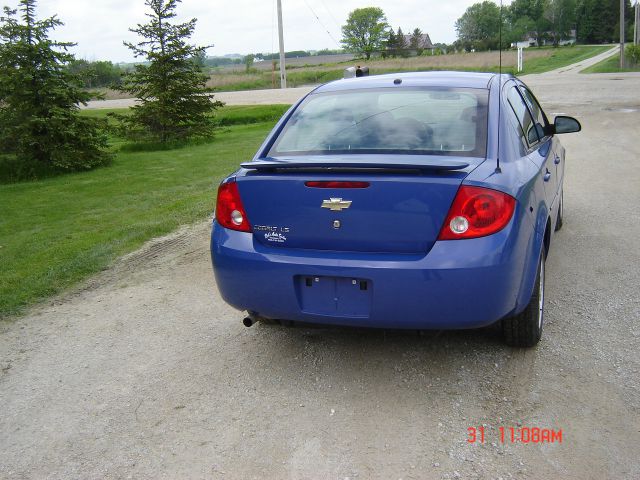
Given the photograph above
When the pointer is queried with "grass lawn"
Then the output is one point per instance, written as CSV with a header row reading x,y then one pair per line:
x,y
561,57
57,231
610,65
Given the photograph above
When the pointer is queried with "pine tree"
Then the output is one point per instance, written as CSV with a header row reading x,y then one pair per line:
x,y
170,86
39,97
401,43
416,43
392,43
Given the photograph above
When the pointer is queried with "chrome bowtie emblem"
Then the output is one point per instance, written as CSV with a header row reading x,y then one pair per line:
x,y
336,204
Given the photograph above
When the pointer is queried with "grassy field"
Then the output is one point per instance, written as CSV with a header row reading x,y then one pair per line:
x,y
561,57
56,232
299,73
537,60
610,65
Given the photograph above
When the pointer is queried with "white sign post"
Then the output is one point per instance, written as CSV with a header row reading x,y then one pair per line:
x,y
520,59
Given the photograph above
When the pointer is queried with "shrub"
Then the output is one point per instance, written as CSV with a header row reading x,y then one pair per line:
x,y
39,97
633,54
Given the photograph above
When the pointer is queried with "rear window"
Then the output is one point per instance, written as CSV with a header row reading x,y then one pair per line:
x,y
438,121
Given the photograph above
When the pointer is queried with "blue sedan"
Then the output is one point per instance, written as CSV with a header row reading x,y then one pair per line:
x,y
404,201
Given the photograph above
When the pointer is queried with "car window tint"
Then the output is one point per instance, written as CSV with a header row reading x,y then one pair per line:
x,y
524,117
407,120
536,111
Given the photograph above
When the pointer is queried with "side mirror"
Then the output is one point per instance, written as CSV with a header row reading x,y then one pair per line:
x,y
563,124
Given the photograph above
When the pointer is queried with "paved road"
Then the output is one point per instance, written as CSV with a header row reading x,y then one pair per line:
x,y
248,97
145,373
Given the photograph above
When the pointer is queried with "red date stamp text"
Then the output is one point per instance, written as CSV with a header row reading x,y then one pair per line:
x,y
523,434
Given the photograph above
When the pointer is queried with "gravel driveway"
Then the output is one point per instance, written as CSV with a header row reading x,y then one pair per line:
x,y
145,373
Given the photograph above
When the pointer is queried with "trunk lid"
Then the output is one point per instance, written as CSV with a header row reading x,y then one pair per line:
x,y
400,211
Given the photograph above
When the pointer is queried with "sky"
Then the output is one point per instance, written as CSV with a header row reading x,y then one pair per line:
x,y
239,26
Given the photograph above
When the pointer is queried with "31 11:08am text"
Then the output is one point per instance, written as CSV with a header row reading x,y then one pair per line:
x,y
516,435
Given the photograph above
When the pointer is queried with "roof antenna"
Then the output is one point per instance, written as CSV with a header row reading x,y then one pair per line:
x,y
498,170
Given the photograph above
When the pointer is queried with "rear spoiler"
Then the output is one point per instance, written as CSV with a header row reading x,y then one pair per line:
x,y
353,165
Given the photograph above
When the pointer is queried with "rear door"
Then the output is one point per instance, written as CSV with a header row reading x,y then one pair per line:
x,y
546,149
539,148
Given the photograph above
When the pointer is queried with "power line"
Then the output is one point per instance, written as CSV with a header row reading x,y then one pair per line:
x,y
331,14
321,24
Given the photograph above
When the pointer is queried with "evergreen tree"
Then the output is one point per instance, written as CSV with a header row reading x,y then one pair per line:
x,y
392,43
39,97
416,41
401,43
170,86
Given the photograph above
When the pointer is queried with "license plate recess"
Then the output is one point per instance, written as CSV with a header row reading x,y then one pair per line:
x,y
335,296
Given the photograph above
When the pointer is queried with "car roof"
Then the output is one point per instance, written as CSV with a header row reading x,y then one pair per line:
x,y
412,79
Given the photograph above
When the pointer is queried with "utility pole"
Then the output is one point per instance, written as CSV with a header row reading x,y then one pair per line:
x,y
636,30
621,33
283,72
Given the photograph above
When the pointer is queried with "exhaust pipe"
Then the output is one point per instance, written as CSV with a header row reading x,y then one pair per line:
x,y
248,321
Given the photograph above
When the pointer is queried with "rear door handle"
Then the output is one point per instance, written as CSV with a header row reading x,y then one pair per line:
x,y
547,176
556,160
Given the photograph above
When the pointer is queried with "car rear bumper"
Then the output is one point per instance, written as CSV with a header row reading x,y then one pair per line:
x,y
459,284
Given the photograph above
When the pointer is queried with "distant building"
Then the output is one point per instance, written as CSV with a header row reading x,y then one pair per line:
x,y
411,46
423,43
547,38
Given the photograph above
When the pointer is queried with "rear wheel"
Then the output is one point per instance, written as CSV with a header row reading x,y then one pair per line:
x,y
525,329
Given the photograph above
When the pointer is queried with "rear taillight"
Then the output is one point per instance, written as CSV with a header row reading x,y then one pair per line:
x,y
230,212
477,212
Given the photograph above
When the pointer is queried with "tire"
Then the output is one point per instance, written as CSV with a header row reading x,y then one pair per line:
x,y
560,212
525,329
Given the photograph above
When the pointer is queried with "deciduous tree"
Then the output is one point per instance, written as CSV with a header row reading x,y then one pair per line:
x,y
96,74
561,17
248,61
366,31
534,11
479,26
598,21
